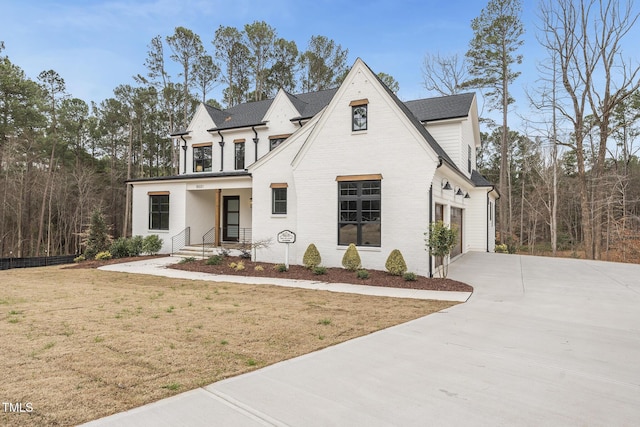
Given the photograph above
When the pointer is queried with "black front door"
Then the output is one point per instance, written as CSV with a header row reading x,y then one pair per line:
x,y
231,219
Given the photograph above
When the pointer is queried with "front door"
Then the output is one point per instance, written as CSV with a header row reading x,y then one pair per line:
x,y
231,219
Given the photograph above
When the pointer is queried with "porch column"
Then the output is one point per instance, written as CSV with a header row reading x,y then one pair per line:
x,y
217,218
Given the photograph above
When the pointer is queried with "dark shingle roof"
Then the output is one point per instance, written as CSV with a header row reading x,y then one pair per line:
x,y
479,180
440,108
252,113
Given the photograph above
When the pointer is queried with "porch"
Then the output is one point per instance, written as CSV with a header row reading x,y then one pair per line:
x,y
217,214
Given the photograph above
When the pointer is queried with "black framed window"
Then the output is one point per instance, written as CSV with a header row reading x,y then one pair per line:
x,y
159,212
202,157
239,155
359,213
279,200
469,158
359,117
273,143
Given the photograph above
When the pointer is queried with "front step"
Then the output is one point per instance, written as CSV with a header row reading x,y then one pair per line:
x,y
196,252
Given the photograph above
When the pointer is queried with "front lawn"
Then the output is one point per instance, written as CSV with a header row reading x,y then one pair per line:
x,y
80,344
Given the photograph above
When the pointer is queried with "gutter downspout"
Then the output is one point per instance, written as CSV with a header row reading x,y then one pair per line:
x,y
184,154
255,142
221,142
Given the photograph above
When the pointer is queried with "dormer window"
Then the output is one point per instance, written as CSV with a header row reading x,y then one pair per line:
x,y
202,156
359,114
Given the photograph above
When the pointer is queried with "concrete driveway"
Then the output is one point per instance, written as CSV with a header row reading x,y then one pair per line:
x,y
542,341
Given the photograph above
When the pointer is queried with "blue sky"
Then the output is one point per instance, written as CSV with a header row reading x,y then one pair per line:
x,y
96,45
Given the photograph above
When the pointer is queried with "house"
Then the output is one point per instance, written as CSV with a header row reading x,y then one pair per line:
x,y
347,165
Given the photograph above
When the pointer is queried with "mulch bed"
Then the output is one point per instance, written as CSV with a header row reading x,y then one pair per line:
x,y
333,275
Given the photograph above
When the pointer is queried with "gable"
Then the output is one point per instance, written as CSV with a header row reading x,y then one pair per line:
x,y
282,108
391,124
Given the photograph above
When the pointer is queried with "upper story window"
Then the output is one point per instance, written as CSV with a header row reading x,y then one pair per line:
x,y
202,156
469,158
276,140
239,154
359,114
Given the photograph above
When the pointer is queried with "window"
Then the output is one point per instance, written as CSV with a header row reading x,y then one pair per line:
x,y
278,199
469,158
359,114
359,213
202,158
159,211
274,142
239,155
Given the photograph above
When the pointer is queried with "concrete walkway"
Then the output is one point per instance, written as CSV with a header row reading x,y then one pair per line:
x,y
542,341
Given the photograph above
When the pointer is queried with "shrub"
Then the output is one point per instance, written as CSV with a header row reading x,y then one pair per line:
x,y
136,243
79,258
395,263
233,265
258,268
281,268
186,260
104,255
120,248
362,274
151,244
319,270
224,252
501,249
351,258
311,257
214,260
239,266
409,276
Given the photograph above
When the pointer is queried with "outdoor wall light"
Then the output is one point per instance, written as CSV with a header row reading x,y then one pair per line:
x,y
459,192
446,185
466,196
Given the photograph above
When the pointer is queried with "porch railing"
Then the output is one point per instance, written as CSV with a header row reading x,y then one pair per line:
x,y
232,233
181,240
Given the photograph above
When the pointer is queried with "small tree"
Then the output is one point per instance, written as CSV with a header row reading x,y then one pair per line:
x,y
395,263
440,240
311,257
98,239
351,259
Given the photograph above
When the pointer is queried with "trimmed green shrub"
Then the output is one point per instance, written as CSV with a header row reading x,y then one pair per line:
x,y
395,264
409,277
151,244
104,255
501,249
214,260
362,274
79,258
136,244
351,258
281,268
311,257
319,270
187,260
120,248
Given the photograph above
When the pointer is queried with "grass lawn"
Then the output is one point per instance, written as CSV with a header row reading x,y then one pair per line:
x,y
80,344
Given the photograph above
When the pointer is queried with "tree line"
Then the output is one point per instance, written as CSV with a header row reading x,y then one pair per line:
x,y
62,158
568,175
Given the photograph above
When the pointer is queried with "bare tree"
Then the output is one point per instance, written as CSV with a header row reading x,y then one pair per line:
x,y
444,74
